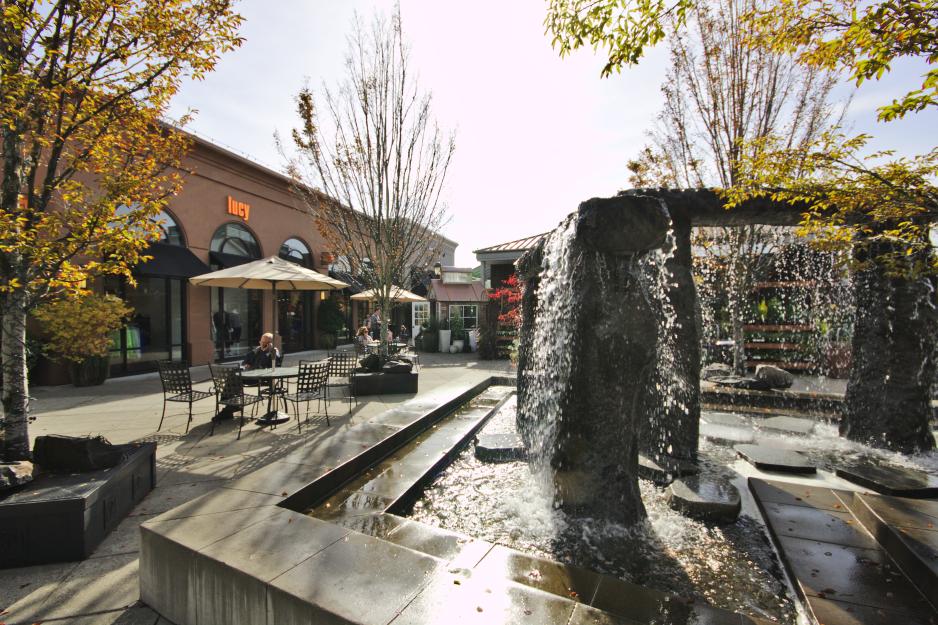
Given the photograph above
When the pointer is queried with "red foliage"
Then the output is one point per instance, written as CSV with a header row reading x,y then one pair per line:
x,y
509,300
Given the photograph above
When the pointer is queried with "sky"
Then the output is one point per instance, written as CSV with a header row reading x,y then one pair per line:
x,y
535,134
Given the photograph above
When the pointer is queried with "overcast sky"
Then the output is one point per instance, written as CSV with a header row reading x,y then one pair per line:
x,y
535,134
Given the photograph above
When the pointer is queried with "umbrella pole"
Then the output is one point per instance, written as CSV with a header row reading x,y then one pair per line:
x,y
276,323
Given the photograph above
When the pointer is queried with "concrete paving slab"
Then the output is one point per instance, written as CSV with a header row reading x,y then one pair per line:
x,y
198,532
30,586
360,579
137,615
125,538
821,525
163,498
569,582
455,598
842,613
95,585
830,571
794,494
221,500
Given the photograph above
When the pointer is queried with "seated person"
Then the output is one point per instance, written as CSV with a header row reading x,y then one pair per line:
x,y
403,336
362,339
390,335
264,355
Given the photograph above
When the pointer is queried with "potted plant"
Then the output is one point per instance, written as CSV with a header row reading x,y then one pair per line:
x,y
430,336
445,336
458,331
79,330
330,322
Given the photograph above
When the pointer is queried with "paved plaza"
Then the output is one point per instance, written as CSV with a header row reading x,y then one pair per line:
x,y
103,589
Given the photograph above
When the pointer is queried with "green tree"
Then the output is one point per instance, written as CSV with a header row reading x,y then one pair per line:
x,y
84,87
863,38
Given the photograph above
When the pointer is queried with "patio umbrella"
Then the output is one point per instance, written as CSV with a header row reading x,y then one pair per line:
x,y
269,274
397,295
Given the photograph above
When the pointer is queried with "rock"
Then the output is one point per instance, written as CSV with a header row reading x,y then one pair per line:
x,y
13,474
705,498
664,469
371,362
499,448
623,225
774,459
736,381
774,376
716,370
393,366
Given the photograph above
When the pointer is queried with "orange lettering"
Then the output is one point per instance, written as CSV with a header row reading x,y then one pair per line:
x,y
241,209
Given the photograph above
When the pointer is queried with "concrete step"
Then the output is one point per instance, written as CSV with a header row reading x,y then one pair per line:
x,y
908,530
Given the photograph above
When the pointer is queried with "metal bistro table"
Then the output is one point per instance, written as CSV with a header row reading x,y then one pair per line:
x,y
271,376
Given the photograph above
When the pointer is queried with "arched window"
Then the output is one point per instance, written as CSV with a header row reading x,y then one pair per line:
x,y
170,232
296,251
236,240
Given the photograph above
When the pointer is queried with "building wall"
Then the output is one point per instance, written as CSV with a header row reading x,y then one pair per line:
x,y
275,214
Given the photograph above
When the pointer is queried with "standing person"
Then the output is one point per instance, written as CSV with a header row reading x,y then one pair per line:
x,y
264,355
374,322
390,334
403,335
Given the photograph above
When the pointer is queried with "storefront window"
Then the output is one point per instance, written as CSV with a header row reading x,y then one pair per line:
x,y
236,240
155,329
236,313
296,251
170,232
468,312
421,315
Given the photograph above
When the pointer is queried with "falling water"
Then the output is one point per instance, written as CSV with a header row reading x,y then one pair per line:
x,y
552,347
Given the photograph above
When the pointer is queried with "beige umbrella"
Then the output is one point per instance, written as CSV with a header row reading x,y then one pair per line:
x,y
269,274
397,295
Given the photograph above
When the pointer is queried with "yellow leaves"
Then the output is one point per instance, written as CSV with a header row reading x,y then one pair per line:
x,y
79,327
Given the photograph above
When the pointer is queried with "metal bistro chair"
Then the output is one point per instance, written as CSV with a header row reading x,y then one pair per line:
x,y
310,385
177,386
229,392
341,371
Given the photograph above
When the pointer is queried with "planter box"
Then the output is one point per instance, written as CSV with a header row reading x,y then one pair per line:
x,y
384,383
61,518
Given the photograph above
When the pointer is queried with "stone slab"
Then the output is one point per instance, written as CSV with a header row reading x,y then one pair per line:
x,y
507,447
829,611
664,470
726,434
890,479
788,425
569,582
705,498
775,459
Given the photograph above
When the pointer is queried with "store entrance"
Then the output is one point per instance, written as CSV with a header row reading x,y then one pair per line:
x,y
155,330
295,322
236,322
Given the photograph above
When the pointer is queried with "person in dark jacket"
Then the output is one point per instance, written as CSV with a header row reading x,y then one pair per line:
x,y
264,355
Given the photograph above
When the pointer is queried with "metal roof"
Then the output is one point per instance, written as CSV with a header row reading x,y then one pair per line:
x,y
521,245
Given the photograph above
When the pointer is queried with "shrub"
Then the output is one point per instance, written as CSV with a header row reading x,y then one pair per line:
x,y
78,328
330,319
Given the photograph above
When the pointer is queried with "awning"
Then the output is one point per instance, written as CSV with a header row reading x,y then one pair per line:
x,y
225,261
170,261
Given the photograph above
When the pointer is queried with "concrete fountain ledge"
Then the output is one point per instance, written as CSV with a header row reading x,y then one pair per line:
x,y
250,553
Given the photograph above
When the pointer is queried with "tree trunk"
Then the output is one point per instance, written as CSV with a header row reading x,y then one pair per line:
x,y
673,423
15,386
889,391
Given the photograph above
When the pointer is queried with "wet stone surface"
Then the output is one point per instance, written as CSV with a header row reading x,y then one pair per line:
x,y
705,498
788,425
845,575
775,459
664,470
726,434
889,479
503,447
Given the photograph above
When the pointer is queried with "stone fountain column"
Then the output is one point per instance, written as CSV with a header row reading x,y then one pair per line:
x,y
889,391
609,360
